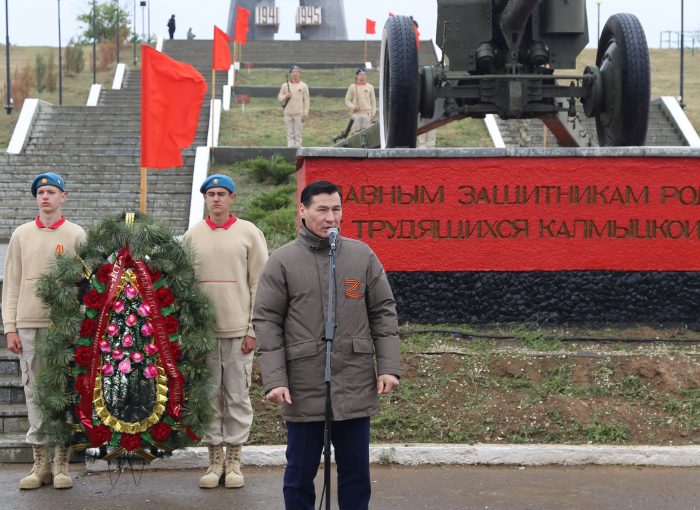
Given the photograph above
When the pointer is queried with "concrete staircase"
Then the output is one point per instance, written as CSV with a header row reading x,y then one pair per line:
x,y
97,150
662,130
13,409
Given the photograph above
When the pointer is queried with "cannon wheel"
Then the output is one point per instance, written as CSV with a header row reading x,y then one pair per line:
x,y
623,59
398,84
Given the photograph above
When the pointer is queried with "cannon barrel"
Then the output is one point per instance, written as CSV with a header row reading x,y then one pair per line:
x,y
516,14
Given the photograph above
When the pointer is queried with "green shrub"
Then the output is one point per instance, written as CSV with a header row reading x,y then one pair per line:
x,y
42,72
75,60
275,170
276,199
52,78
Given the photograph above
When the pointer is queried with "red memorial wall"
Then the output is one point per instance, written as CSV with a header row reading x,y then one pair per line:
x,y
520,214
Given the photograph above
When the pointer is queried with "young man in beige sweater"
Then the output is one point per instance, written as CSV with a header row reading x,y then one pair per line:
x,y
31,248
294,95
230,254
361,101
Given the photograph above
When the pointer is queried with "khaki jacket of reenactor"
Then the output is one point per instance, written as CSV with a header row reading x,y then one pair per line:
x,y
298,104
362,97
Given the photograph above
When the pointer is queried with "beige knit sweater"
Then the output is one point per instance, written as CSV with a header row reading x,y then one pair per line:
x,y
228,265
29,253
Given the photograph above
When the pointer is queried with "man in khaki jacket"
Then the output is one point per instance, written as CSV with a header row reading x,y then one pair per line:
x,y
294,95
31,248
230,253
289,319
361,101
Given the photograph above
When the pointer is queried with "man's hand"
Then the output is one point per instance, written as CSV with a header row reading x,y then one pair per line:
x,y
355,109
303,118
279,395
14,343
386,383
248,344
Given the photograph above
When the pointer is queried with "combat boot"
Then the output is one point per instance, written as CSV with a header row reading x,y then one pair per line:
x,y
41,470
215,470
232,464
61,478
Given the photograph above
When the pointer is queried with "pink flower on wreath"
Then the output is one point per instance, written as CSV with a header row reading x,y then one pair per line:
x,y
147,329
107,369
118,306
125,366
112,329
150,372
130,292
117,354
127,340
104,346
150,349
131,319
136,357
144,310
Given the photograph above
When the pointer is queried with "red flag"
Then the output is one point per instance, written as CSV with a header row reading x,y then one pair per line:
x,y
371,27
171,97
221,60
241,33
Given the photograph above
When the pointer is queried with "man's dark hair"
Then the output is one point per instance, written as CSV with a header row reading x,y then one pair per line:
x,y
316,188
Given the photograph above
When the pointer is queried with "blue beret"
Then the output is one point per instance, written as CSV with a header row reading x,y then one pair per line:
x,y
47,179
218,181
294,68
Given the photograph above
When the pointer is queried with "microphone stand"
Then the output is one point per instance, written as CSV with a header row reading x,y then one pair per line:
x,y
330,335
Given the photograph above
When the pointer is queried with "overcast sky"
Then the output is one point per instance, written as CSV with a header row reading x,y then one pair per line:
x,y
35,22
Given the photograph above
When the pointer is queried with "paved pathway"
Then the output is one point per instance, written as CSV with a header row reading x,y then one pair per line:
x,y
394,487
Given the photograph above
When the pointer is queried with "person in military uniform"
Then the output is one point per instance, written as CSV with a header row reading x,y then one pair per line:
x,y
361,101
294,96
31,248
230,254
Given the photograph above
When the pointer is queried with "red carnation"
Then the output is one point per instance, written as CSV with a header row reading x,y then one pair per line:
x,y
93,299
155,274
80,383
103,272
131,441
83,355
161,431
88,328
99,435
171,325
164,297
177,352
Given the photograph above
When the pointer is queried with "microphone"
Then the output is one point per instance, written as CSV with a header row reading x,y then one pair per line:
x,y
332,237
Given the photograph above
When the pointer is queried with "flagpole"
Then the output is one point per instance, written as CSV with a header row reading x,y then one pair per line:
x,y
144,188
363,63
213,100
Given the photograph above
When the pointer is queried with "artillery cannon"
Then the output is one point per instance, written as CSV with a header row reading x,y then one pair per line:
x,y
499,57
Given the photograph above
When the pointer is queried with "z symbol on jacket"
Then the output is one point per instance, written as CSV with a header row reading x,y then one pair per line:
x,y
352,289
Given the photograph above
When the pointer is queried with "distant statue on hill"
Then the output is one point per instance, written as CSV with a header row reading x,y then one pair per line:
x,y
171,26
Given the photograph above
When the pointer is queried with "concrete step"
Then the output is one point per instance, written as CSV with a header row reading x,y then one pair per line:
x,y
14,449
9,364
11,390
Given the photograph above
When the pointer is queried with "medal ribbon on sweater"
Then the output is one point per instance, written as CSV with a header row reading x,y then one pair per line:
x,y
175,378
84,409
